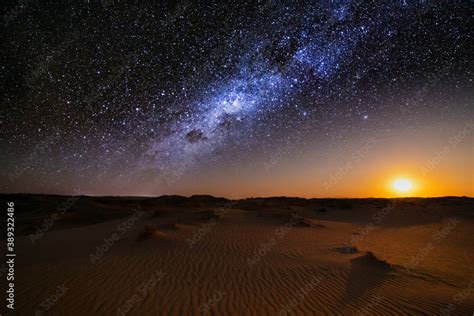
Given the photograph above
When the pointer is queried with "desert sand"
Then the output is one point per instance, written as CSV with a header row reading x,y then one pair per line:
x,y
174,255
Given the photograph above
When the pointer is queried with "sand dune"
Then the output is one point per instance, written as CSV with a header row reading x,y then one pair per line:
x,y
180,256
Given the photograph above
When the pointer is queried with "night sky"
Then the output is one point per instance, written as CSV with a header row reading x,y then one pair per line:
x,y
235,99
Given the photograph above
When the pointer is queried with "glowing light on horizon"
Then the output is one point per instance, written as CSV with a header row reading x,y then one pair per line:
x,y
402,185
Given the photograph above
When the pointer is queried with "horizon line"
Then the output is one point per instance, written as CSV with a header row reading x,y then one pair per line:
x,y
243,198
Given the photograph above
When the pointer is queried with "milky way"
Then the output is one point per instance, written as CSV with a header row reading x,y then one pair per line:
x,y
275,69
111,94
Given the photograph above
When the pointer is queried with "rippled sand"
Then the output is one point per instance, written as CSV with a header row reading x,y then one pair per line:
x,y
254,257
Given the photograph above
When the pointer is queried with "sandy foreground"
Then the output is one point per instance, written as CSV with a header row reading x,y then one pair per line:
x,y
276,256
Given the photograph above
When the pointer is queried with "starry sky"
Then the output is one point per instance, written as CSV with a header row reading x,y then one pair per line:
x,y
312,99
